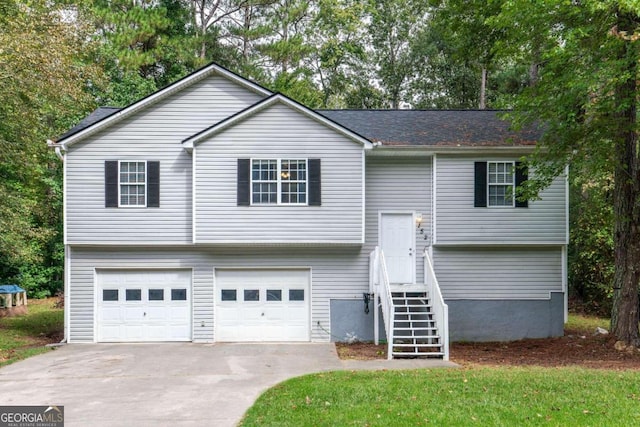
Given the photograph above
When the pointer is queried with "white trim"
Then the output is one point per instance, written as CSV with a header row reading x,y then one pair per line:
x,y
565,283
430,150
146,182
279,201
95,305
499,243
434,201
264,104
67,293
566,204
497,184
159,95
413,241
364,199
233,243
194,194
65,227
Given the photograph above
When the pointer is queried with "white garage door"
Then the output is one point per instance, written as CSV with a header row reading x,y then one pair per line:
x,y
144,305
262,305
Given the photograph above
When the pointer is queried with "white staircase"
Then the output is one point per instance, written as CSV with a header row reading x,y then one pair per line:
x,y
415,331
416,319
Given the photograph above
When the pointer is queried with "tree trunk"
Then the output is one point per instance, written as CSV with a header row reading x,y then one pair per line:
x,y
483,89
626,201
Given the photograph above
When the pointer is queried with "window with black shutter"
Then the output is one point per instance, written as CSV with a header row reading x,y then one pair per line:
x,y
132,183
279,182
495,184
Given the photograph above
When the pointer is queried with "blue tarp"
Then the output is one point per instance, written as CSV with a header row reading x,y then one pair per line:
x,y
10,289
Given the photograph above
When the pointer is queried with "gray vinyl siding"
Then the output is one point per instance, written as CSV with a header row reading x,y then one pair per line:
x,y
498,273
399,185
279,132
154,133
336,273
459,222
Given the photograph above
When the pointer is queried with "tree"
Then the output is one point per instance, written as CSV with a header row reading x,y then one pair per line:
x,y
338,55
42,87
394,23
585,97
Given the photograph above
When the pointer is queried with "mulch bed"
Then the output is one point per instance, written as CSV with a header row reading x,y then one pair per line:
x,y
573,349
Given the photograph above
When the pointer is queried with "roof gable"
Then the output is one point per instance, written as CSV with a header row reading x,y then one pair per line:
x,y
106,116
276,98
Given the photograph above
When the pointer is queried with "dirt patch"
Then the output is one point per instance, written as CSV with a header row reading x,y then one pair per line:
x,y
573,349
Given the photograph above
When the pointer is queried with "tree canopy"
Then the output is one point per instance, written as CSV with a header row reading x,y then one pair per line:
x,y
569,67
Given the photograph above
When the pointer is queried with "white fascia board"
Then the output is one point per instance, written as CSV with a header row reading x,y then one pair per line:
x,y
430,150
264,104
159,95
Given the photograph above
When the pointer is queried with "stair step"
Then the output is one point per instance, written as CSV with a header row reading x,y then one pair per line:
x,y
413,353
415,337
416,345
412,305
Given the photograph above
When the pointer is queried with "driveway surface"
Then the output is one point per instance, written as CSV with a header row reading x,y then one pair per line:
x,y
167,384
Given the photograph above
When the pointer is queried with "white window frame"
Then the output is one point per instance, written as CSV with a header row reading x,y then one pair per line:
x,y
502,184
279,182
120,184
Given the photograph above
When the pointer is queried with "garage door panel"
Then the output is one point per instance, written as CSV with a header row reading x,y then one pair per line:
x,y
272,317
138,305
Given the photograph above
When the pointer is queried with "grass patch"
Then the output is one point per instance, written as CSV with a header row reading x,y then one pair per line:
x,y
453,397
583,324
26,336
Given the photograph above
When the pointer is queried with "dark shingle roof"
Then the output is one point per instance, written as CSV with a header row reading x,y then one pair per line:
x,y
97,115
432,127
449,128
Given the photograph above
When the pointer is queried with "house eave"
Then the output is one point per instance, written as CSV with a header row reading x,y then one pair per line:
x,y
190,142
158,96
430,150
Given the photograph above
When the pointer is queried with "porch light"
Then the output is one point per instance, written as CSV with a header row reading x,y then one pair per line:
x,y
418,220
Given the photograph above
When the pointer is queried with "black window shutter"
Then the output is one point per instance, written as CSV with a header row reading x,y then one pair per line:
x,y
480,189
153,184
315,186
244,172
111,184
522,174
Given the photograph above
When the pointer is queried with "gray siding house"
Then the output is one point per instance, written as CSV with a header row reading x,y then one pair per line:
x,y
214,210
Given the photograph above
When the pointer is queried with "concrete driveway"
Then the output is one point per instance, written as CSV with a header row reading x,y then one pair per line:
x,y
167,384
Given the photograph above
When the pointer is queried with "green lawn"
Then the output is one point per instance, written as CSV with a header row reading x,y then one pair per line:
x,y
25,336
453,397
457,397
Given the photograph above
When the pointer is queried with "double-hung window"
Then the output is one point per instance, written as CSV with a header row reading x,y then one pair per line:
x,y
496,184
281,181
501,184
133,183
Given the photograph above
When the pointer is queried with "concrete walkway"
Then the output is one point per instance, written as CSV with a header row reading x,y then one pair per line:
x,y
168,384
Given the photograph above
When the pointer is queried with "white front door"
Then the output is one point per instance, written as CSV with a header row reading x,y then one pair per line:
x,y
397,241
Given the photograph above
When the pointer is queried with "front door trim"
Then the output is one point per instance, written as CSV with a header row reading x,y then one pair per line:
x,y
410,216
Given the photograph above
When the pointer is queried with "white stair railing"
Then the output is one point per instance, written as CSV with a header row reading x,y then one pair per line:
x,y
380,288
439,309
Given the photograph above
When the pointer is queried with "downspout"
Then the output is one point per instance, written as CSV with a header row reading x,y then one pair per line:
x,y
59,153
58,149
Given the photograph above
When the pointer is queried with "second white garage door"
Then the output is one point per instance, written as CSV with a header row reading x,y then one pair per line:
x,y
262,305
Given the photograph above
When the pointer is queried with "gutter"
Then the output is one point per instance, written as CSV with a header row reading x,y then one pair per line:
x,y
59,149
